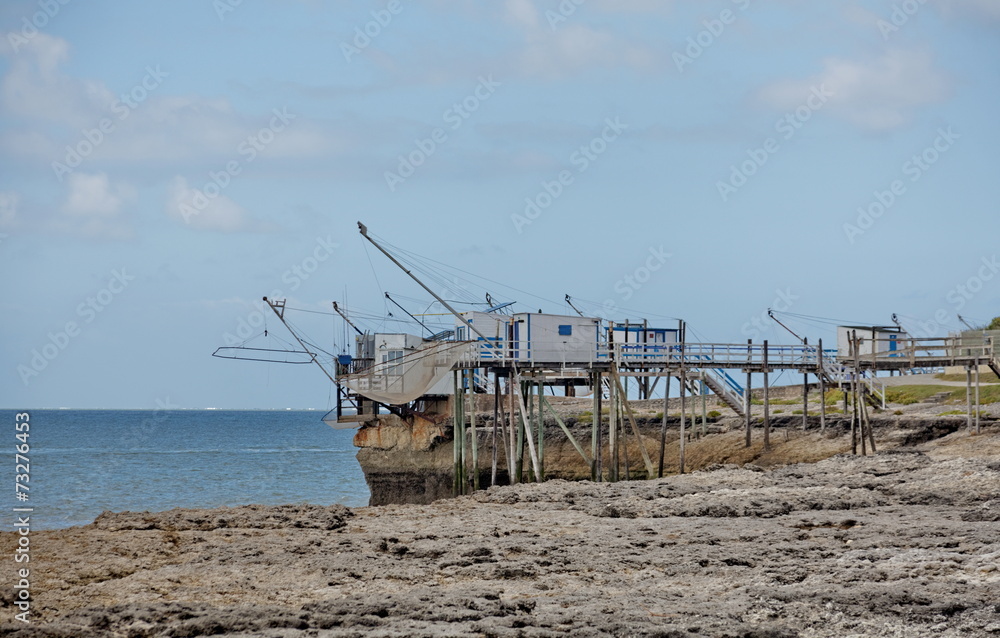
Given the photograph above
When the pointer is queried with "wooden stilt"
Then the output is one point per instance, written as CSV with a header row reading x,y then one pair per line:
x,y
805,392
456,399
533,454
747,396
968,397
598,426
854,394
496,426
663,426
767,406
822,387
475,431
977,397
613,433
680,461
540,388
704,408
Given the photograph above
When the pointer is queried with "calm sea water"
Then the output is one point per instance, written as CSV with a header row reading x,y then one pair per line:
x,y
86,461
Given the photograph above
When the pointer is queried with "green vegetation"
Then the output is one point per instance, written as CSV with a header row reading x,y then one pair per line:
x,y
777,401
833,397
898,412
714,414
796,411
910,394
779,411
987,394
995,324
952,412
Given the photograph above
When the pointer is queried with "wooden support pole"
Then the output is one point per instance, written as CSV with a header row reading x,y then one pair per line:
x,y
767,406
822,387
530,439
663,426
977,396
475,432
596,422
680,460
968,397
854,393
513,462
457,441
540,388
805,393
496,426
704,408
519,438
613,433
747,393
461,426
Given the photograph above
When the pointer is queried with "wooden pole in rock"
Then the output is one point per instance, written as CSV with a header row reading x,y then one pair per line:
x,y
805,393
968,397
748,393
854,394
595,415
475,432
457,441
977,396
496,425
822,387
663,426
767,407
613,433
683,414
540,388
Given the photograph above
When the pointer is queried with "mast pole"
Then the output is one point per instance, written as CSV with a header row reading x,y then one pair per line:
x,y
364,233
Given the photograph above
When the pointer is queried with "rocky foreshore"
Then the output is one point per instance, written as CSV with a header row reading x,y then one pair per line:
x,y
902,543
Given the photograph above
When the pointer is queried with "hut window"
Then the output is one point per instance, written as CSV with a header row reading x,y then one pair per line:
x,y
565,331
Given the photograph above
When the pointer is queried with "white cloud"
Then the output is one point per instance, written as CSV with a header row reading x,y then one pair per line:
x,y
195,208
876,95
93,196
566,45
150,126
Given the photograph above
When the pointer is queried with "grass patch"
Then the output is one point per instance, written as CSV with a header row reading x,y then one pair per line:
x,y
796,411
987,394
776,401
714,414
833,397
910,394
952,413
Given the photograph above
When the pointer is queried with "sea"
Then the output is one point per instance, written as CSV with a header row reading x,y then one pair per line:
x,y
83,462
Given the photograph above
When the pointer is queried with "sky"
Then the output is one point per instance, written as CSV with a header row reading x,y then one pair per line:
x,y
165,165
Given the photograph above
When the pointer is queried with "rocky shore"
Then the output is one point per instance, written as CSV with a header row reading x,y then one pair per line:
x,y
902,543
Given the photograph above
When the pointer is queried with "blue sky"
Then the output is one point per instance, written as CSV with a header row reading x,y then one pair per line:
x,y
164,165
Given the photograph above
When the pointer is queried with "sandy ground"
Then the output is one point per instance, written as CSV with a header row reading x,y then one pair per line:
x,y
903,543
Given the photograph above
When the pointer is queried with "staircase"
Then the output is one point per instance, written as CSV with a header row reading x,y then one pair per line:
x,y
729,396
995,367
